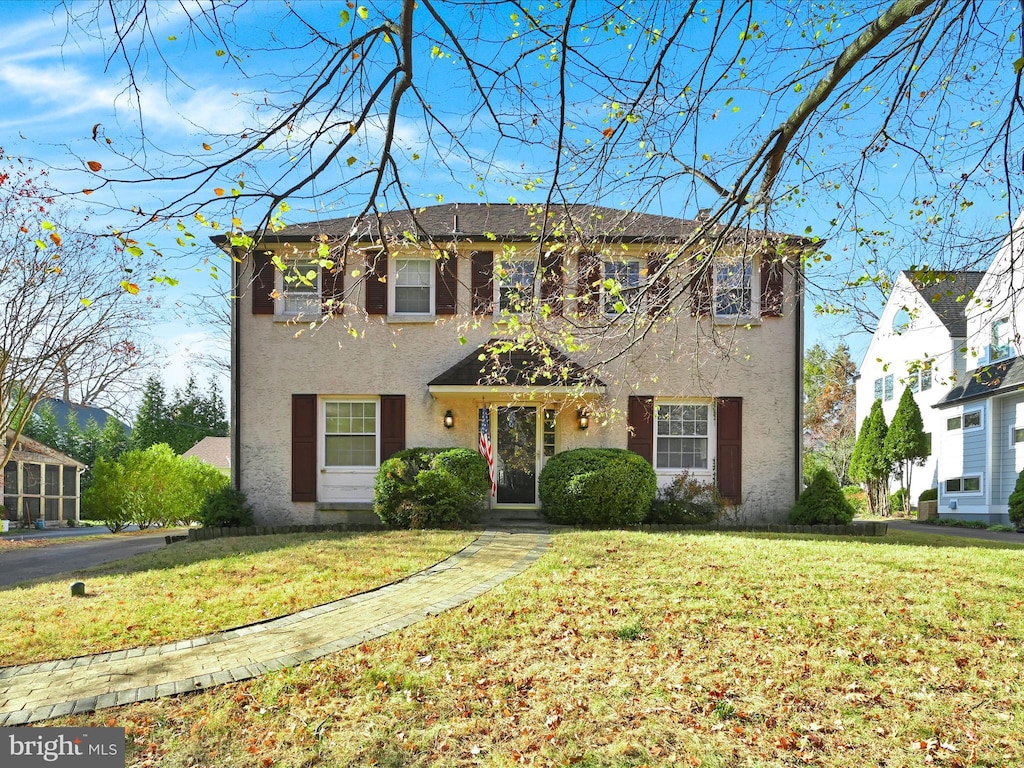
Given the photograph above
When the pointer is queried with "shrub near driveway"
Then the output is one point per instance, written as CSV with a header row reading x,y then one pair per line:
x,y
629,649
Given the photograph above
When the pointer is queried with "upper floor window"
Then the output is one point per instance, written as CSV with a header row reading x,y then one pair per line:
x,y
298,289
735,287
620,287
890,387
1002,340
926,377
878,389
413,286
681,436
515,284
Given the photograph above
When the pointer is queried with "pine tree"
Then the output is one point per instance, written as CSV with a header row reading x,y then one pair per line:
x,y
905,441
43,427
153,420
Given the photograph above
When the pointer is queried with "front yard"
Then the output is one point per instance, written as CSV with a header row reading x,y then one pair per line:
x,y
629,649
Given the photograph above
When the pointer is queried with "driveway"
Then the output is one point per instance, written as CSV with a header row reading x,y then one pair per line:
x,y
66,556
949,530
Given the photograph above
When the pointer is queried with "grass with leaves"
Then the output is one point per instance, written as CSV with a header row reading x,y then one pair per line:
x,y
630,649
193,588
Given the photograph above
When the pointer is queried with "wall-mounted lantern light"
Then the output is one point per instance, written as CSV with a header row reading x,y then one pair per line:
x,y
582,418
449,420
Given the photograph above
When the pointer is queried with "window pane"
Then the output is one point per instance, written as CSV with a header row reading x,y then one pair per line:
x,y
52,480
516,285
350,451
681,437
733,295
69,481
926,379
627,276
972,483
953,423
972,419
878,389
889,387
301,288
953,486
412,286
682,453
912,382
1018,435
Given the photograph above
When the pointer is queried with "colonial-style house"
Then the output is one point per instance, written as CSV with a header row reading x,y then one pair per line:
x,y
40,483
982,418
406,336
920,342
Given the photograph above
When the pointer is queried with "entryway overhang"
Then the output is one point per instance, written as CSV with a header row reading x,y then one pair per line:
x,y
491,371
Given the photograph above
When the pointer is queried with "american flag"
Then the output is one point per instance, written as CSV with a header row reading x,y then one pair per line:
x,y
485,447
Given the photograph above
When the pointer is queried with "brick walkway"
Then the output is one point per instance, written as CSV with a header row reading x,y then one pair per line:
x,y
51,689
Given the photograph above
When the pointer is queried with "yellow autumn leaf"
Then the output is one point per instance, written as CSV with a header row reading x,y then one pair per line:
x,y
131,288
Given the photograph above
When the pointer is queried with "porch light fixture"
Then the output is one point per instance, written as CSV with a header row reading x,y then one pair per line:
x,y
449,420
582,418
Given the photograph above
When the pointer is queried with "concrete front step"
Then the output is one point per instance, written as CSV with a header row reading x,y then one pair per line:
x,y
512,515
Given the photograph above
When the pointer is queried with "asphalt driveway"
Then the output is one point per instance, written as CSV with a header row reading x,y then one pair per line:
x,y
72,555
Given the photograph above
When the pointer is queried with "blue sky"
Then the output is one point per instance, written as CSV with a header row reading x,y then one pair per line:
x,y
59,85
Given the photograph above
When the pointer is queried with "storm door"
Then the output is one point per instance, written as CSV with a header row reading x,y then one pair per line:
x,y
516,432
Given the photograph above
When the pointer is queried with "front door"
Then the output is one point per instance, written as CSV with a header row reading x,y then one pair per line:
x,y
516,433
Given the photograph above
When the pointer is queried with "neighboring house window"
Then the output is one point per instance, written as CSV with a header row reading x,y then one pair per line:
x,y
298,289
681,436
889,387
620,287
515,284
1002,345
350,433
912,382
735,289
953,422
970,484
972,419
878,389
927,443
1016,436
413,286
926,377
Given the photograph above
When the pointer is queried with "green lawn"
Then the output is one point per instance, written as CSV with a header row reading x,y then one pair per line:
x,y
193,588
629,649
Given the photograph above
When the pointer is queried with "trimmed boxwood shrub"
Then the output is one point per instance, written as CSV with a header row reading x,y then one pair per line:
x,y
431,488
929,494
597,486
822,503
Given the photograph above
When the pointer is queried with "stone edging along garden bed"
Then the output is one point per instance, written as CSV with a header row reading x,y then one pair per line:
x,y
873,528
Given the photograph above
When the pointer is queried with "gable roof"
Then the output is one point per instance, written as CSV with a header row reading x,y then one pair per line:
x,y
34,452
506,222
988,380
948,294
215,451
488,365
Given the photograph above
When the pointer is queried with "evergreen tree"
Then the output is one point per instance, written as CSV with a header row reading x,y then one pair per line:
x,y
113,439
905,441
194,416
870,463
153,420
43,427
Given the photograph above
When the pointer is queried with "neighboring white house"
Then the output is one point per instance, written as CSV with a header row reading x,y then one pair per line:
x,y
982,418
406,355
920,342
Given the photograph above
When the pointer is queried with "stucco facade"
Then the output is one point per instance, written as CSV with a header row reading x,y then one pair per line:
x,y
357,358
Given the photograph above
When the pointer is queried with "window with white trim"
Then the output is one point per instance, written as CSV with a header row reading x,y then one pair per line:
x,y
620,286
890,387
515,284
681,436
972,419
736,289
953,423
350,433
926,377
1016,436
412,286
298,289
1002,340
878,389
968,484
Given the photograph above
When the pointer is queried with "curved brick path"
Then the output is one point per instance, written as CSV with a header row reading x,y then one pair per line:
x,y
55,688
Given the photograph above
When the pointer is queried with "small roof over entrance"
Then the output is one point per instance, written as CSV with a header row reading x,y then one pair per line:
x,y
493,367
